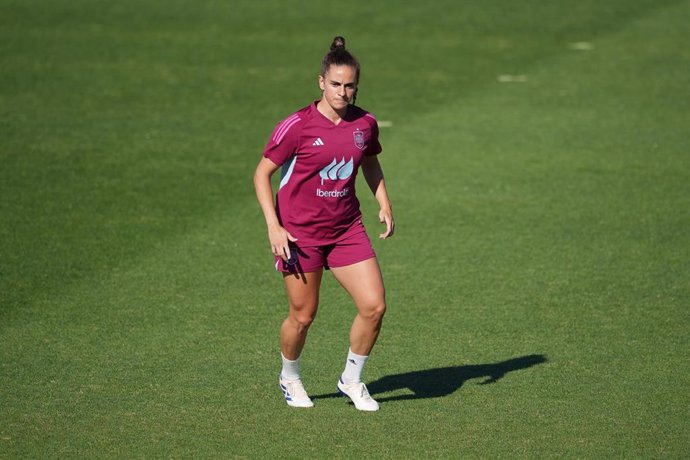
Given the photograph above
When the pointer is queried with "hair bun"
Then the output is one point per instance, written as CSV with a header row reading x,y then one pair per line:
x,y
339,56
338,42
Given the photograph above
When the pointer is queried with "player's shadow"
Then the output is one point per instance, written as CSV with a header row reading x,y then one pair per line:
x,y
443,381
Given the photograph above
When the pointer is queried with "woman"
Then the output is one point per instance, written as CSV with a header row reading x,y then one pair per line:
x,y
316,222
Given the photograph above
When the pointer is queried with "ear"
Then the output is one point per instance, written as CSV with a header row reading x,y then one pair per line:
x,y
322,83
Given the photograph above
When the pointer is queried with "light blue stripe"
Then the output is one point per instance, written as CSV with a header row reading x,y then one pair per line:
x,y
286,172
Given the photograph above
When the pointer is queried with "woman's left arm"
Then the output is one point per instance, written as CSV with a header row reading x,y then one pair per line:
x,y
371,168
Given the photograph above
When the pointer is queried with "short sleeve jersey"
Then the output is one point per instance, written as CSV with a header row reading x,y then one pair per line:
x,y
316,200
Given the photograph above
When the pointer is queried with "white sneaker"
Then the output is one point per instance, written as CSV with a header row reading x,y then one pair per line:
x,y
359,395
294,392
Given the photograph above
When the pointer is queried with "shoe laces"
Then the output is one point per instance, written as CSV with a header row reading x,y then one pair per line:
x,y
296,389
364,393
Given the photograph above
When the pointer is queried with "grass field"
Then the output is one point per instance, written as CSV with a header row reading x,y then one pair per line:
x,y
538,284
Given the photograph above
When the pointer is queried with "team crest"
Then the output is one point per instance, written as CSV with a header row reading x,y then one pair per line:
x,y
359,139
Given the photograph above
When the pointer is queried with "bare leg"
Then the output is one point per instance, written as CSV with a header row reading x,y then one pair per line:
x,y
364,283
303,299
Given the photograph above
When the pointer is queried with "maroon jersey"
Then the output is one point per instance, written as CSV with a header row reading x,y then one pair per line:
x,y
316,200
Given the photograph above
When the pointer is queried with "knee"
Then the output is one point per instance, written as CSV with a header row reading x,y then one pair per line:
x,y
374,312
303,321
302,318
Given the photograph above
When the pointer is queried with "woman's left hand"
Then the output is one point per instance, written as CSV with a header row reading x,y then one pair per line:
x,y
386,217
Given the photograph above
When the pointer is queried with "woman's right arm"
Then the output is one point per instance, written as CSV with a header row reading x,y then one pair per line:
x,y
277,235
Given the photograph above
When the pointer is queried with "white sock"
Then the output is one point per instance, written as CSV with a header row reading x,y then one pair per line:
x,y
290,369
353,367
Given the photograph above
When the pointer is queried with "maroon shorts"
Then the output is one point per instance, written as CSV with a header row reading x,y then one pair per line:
x,y
354,247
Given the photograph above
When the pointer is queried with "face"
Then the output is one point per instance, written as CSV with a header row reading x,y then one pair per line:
x,y
339,86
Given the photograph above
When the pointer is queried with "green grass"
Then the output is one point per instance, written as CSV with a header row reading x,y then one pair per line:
x,y
537,284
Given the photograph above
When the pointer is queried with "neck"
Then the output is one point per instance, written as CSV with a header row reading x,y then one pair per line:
x,y
327,111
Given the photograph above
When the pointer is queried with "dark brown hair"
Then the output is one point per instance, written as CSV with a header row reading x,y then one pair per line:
x,y
338,55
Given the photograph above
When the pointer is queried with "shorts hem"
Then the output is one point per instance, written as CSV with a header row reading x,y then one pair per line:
x,y
358,260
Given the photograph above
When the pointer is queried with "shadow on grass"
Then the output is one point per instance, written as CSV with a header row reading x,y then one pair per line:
x,y
443,381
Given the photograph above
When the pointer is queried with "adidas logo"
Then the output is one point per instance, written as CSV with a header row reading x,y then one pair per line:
x,y
318,141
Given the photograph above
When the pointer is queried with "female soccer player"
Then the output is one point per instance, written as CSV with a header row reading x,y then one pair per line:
x,y
316,222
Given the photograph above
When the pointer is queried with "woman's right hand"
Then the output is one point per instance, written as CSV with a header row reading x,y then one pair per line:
x,y
280,241
279,238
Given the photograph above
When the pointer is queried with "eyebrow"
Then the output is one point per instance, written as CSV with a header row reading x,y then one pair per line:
x,y
341,83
